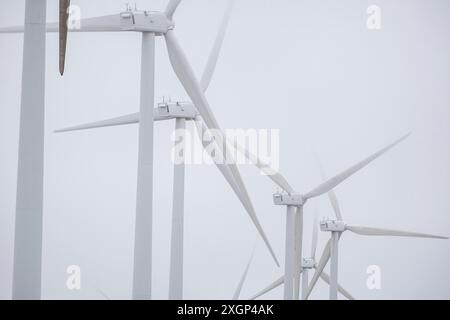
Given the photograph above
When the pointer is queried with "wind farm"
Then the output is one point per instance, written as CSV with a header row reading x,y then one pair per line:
x,y
93,179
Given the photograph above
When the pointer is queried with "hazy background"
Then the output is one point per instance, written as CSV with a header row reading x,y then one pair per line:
x,y
310,68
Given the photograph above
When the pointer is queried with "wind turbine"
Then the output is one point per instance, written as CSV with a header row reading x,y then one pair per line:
x,y
307,264
295,203
30,176
294,222
152,24
181,112
337,228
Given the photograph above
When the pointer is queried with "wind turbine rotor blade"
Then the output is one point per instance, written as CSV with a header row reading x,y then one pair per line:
x,y
226,172
367,231
335,204
237,293
15,29
325,277
185,74
172,7
109,23
124,120
269,288
320,266
63,29
273,175
215,52
315,236
331,194
338,179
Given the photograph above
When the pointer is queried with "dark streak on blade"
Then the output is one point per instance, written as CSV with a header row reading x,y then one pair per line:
x,y
63,29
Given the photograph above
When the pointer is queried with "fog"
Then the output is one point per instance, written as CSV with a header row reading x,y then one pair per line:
x,y
311,69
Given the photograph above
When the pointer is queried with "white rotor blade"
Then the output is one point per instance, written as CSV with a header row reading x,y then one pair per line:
x,y
237,293
185,74
335,181
171,8
320,266
325,277
315,236
110,23
215,52
201,129
128,119
15,29
63,17
272,286
335,204
271,173
50,27
331,194
367,231
225,171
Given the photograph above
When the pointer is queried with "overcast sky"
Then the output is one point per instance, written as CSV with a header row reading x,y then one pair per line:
x,y
309,68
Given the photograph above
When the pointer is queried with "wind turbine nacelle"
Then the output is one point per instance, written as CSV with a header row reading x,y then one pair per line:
x,y
281,199
308,263
145,21
332,226
173,110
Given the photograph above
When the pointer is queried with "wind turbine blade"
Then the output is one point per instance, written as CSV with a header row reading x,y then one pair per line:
x,y
273,175
367,231
128,119
215,52
185,74
315,236
319,269
15,29
110,23
172,7
50,27
237,293
63,17
331,194
335,204
325,277
338,179
227,174
269,288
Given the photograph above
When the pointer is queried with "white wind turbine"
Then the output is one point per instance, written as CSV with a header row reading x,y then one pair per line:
x,y
182,112
337,228
295,203
307,264
30,175
294,222
152,24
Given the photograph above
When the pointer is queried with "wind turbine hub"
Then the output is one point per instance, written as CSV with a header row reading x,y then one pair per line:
x,y
332,226
146,21
283,199
308,263
173,110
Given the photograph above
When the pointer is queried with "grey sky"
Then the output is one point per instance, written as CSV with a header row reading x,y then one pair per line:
x,y
310,68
